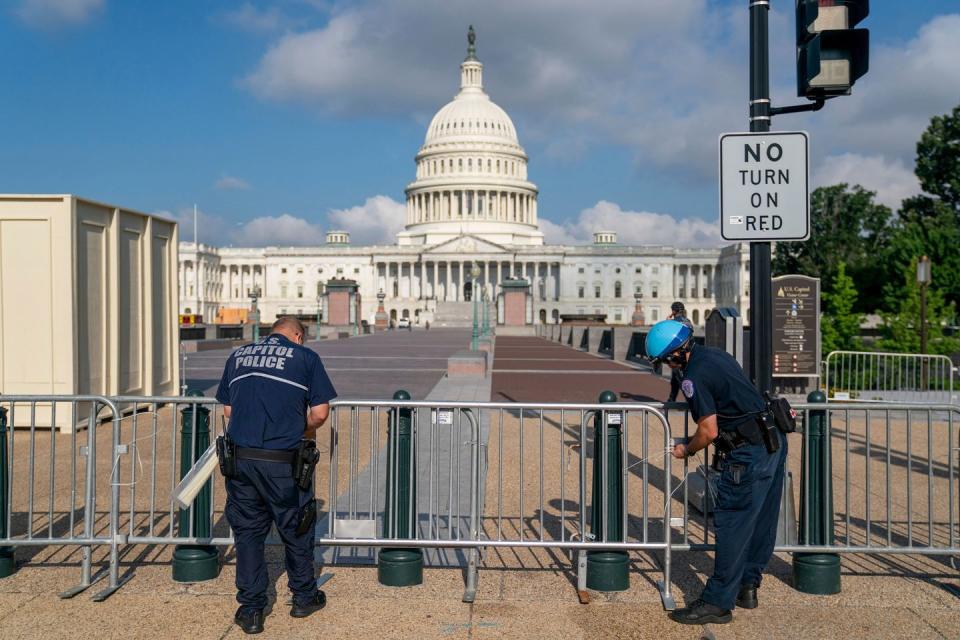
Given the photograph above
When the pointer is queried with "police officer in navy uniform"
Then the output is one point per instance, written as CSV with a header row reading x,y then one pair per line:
x,y
729,412
275,392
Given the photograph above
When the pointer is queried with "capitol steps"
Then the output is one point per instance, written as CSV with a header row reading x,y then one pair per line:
x,y
459,314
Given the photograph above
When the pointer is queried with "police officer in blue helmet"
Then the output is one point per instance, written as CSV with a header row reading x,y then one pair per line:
x,y
730,414
276,394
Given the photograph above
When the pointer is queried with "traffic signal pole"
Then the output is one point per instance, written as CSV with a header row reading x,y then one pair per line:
x,y
761,301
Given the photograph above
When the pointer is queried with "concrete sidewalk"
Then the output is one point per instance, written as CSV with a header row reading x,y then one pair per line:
x,y
511,603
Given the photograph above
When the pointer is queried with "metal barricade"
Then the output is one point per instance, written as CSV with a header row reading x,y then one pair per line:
x,y
60,467
150,431
889,377
894,474
467,498
486,477
494,476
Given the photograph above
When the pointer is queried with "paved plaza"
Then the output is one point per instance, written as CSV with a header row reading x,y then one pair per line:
x,y
368,366
537,370
521,593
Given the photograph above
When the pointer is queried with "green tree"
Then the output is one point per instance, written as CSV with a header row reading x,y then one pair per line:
x,y
847,227
929,224
938,159
901,330
840,325
926,227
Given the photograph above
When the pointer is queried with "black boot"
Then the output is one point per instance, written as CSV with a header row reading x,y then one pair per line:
x,y
747,597
251,621
319,601
700,612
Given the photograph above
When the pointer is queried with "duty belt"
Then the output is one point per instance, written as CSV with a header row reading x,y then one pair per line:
x,y
728,440
266,455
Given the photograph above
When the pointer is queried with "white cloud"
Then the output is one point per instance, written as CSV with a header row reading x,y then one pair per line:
x,y
892,180
217,230
632,228
662,78
283,230
376,221
247,17
231,183
52,14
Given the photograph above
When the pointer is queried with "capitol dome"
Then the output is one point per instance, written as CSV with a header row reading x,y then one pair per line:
x,y
470,116
471,172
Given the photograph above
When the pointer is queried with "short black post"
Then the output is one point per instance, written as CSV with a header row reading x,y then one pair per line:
x,y
195,562
608,570
817,573
400,567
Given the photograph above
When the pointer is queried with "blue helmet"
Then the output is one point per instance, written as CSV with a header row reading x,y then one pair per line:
x,y
665,337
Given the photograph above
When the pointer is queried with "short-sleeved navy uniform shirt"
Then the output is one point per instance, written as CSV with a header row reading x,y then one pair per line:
x,y
269,385
714,383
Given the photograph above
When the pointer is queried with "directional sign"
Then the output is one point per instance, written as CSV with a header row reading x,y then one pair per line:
x,y
796,327
764,186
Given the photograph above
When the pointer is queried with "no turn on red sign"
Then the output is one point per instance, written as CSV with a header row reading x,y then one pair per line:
x,y
765,186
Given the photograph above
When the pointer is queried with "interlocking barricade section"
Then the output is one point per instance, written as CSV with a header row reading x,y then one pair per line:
x,y
497,475
57,481
97,474
890,377
894,472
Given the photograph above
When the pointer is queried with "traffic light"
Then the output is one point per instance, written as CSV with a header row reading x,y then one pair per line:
x,y
831,55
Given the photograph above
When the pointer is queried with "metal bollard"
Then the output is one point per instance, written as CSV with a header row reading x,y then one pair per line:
x,y
400,567
195,562
817,573
608,570
8,563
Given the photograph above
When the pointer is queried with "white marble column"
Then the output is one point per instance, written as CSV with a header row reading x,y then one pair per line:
x,y
446,292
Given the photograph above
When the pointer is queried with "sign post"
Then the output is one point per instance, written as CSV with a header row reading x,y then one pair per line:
x,y
796,327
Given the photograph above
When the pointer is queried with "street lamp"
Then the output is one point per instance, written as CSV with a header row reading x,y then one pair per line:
x,y
923,279
319,308
474,274
255,312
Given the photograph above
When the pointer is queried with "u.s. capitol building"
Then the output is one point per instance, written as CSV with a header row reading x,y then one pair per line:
x,y
471,203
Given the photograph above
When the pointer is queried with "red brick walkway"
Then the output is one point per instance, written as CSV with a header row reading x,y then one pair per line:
x,y
537,370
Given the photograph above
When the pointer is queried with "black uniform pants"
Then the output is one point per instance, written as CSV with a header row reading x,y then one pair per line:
x,y
264,493
745,520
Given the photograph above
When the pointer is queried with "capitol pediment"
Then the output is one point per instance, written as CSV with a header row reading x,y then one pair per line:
x,y
467,244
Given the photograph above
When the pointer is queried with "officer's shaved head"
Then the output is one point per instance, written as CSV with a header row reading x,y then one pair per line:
x,y
290,327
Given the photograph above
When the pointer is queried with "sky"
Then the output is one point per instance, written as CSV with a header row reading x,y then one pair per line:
x,y
284,119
